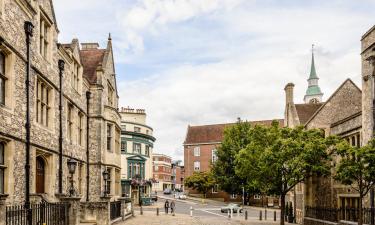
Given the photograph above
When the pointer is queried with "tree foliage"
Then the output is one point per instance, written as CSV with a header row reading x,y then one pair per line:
x,y
356,167
200,181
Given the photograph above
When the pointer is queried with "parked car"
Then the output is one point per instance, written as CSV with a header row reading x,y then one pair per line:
x,y
231,206
167,191
182,196
154,197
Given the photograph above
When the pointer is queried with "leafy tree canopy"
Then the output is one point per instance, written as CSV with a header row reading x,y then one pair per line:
x,y
200,181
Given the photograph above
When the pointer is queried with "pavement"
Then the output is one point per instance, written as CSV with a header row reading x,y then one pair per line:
x,y
206,213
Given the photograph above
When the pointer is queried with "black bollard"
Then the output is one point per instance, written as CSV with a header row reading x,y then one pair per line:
x,y
246,215
274,215
157,211
260,215
141,210
265,214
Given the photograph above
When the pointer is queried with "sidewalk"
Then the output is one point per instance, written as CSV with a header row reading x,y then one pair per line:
x,y
150,218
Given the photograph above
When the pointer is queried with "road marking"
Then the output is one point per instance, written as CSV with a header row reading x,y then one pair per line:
x,y
208,208
211,213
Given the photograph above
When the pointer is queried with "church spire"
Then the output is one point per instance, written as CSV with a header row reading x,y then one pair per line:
x,y
313,92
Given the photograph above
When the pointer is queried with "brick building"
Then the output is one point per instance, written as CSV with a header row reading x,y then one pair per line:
x,y
200,146
178,175
162,172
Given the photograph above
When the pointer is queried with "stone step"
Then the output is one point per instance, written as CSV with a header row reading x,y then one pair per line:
x,y
88,222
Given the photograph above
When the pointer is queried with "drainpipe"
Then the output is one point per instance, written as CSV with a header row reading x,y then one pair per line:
x,y
88,94
28,26
61,65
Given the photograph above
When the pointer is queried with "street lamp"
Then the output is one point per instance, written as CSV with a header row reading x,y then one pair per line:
x,y
72,164
105,177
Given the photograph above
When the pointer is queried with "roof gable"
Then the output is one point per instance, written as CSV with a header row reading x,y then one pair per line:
x,y
91,59
305,111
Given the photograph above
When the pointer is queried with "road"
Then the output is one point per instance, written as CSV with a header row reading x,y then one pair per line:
x,y
208,209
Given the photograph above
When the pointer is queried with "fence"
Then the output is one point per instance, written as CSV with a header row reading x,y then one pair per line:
x,y
43,213
337,214
115,210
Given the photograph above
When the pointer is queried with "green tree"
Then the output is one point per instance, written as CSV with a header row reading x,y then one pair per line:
x,y
236,137
279,158
357,168
200,181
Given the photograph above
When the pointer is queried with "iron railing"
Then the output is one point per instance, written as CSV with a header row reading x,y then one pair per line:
x,y
115,210
43,213
337,214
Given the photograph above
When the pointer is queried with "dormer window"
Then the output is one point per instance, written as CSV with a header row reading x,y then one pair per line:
x,y
45,27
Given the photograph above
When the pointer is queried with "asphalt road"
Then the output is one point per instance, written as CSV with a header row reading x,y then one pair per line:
x,y
210,209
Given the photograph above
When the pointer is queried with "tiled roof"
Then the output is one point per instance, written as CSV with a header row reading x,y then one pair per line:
x,y
305,111
215,132
91,58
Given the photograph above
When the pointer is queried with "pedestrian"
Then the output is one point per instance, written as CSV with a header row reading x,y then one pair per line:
x,y
173,206
166,206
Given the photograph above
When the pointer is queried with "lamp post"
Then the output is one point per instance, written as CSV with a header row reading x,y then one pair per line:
x,y
28,26
72,164
105,177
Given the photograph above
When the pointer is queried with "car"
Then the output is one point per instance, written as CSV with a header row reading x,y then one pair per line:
x,y
231,206
182,196
154,197
167,191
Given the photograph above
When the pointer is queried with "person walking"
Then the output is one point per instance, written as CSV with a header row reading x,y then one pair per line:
x,y
166,206
173,206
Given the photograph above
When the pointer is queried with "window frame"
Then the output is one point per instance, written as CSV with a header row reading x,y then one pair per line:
x,y
43,95
44,35
134,148
125,145
2,167
214,157
197,151
3,59
109,137
80,128
197,168
69,122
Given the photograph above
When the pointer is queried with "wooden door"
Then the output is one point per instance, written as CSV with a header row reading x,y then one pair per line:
x,y
40,174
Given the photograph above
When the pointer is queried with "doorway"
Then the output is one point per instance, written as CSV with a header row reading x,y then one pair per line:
x,y
40,175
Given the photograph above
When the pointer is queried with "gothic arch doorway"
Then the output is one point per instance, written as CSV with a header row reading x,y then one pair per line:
x,y
40,175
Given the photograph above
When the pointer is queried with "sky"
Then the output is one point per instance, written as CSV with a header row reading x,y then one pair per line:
x,y
196,62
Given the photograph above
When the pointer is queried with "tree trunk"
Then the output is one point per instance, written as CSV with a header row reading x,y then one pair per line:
x,y
360,217
282,210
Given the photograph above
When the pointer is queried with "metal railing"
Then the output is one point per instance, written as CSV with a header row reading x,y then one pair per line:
x,y
115,210
337,214
43,213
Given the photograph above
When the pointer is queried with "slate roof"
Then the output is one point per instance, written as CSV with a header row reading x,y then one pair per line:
x,y
215,132
91,59
306,111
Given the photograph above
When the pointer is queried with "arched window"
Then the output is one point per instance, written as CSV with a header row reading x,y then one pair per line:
x,y
40,175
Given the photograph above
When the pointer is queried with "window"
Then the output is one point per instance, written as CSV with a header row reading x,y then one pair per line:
x,y
43,37
75,75
80,175
2,167
147,151
109,181
147,131
110,95
42,102
2,78
197,151
214,155
117,182
156,168
109,137
137,129
137,148
197,166
123,146
80,128
69,122
215,189
117,141
123,127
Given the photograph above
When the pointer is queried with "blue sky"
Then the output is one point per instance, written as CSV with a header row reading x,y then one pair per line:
x,y
211,61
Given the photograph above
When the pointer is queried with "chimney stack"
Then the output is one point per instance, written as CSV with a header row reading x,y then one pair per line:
x,y
289,93
87,46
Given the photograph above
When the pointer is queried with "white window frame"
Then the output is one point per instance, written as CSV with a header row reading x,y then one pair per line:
x,y
197,151
140,148
197,166
215,189
214,155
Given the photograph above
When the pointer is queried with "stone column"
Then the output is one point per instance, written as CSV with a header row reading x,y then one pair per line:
x,y
123,207
2,209
104,217
74,215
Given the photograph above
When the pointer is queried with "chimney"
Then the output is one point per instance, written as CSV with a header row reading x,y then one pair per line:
x,y
289,93
88,46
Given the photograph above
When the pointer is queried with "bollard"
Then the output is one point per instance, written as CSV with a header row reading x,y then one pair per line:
x,y
191,210
265,214
274,215
238,213
157,211
231,213
260,215
141,210
246,215
228,214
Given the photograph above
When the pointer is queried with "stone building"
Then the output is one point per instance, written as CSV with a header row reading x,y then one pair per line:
x,y
89,97
200,146
137,143
162,172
